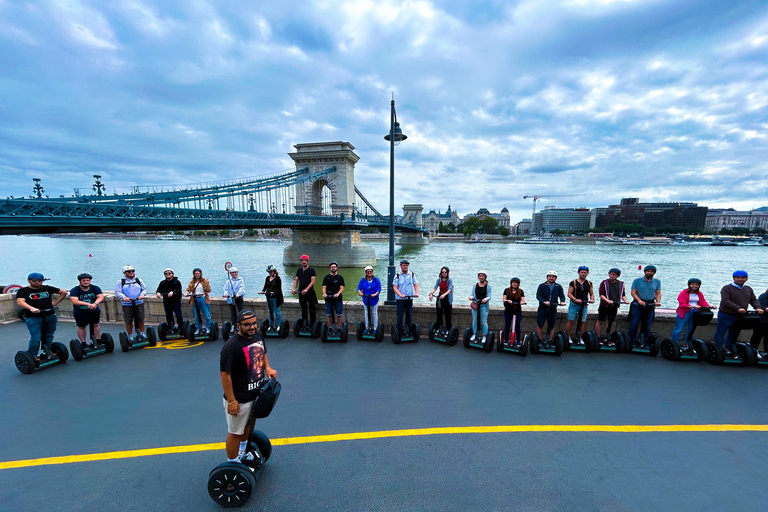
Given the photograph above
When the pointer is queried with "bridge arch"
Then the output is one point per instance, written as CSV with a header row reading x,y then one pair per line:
x,y
317,157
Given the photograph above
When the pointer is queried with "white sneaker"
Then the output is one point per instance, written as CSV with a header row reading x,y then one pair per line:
x,y
483,341
198,332
472,338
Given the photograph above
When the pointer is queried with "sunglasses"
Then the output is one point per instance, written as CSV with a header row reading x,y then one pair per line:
x,y
130,271
35,280
168,273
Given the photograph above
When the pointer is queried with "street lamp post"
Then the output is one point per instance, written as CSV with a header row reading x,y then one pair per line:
x,y
395,136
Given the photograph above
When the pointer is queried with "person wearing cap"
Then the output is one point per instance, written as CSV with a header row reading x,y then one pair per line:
x,y
689,301
198,291
481,296
131,290
304,285
580,292
735,298
550,295
443,294
612,295
273,290
35,299
333,287
513,299
169,290
369,289
85,307
406,287
234,291
645,290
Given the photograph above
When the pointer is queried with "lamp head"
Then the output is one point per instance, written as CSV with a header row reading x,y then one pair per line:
x,y
399,135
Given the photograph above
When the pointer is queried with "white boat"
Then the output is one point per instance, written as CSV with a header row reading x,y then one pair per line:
x,y
753,241
543,240
636,241
171,237
476,240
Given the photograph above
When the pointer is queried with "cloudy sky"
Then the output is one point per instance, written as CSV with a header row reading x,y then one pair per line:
x,y
597,99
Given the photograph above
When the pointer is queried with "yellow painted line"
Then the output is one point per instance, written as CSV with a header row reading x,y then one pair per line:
x,y
356,436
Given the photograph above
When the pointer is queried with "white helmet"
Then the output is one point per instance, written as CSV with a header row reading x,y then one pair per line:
x,y
483,272
552,273
232,269
126,268
369,268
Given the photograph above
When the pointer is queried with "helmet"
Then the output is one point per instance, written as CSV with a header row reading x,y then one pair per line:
x,y
483,272
333,263
232,269
650,267
552,273
740,273
615,270
304,257
36,275
583,267
84,275
369,268
270,268
405,262
515,279
169,270
694,280
197,269
126,268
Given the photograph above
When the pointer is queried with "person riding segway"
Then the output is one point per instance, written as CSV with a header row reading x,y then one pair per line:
x,y
513,299
612,296
274,326
304,286
581,294
479,304
369,288
335,328
550,296
85,309
646,295
442,329
406,288
37,310
131,291
692,311
198,291
234,292
169,289
760,332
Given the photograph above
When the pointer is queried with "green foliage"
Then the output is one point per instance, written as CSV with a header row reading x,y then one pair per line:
x,y
504,231
487,225
198,232
274,232
178,232
224,232
250,232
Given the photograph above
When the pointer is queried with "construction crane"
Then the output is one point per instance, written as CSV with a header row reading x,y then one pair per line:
x,y
536,197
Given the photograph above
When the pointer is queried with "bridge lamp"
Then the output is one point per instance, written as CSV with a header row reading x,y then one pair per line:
x,y
394,137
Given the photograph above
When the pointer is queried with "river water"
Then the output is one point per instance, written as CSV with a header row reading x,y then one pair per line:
x,y
62,259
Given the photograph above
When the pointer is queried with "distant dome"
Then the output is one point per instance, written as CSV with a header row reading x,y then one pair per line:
x,y
504,210
483,211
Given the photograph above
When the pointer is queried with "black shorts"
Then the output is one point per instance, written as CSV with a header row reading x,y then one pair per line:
x,y
607,313
83,317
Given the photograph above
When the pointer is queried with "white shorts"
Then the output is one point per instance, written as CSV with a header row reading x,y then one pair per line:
x,y
236,424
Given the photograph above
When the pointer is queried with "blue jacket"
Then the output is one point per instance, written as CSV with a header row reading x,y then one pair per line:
x,y
450,289
369,288
487,292
543,295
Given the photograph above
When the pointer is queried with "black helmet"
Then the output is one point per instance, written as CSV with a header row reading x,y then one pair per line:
x,y
406,262
615,270
197,269
333,263
84,275
514,279
694,280
650,267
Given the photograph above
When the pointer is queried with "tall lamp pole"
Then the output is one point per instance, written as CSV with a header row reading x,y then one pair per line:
x,y
395,136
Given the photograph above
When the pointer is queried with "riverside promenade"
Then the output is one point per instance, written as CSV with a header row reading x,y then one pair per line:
x,y
377,426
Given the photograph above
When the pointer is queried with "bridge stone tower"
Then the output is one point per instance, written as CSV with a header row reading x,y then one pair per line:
x,y
412,215
324,245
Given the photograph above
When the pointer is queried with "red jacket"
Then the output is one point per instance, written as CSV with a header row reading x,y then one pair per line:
x,y
683,298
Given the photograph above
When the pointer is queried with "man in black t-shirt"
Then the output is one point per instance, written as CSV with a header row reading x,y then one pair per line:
x,y
333,287
169,290
305,281
243,364
85,306
37,302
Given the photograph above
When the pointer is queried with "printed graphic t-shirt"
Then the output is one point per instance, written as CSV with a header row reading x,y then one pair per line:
x,y
41,298
89,297
332,286
242,359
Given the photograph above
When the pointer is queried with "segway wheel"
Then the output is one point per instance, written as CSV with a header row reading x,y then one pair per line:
x,y
618,341
453,336
324,332
669,349
61,350
213,334
653,343
415,332
467,335
432,330
488,347
261,440
25,363
380,332
715,354
285,329
747,354
500,344
231,484
701,348
360,329
162,331
627,344
344,332
395,335
264,326
190,332
524,349
123,337
226,329
533,342
559,343
591,341
151,336
108,342
316,329
183,328
77,350
296,327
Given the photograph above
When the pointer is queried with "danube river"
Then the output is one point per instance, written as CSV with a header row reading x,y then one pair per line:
x,y
62,259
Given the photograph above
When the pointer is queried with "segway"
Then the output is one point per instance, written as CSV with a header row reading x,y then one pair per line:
x,y
303,328
745,354
211,335
137,339
104,345
697,350
478,342
614,341
437,333
650,345
588,341
504,345
231,484
167,332
376,334
334,333
281,331
553,347
227,329
58,354
409,333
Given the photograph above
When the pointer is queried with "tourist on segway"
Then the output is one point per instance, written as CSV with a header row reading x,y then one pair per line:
x,y
198,291
333,287
513,299
735,298
646,295
37,304
132,291
690,301
612,295
169,289
85,307
369,289
550,295
234,292
760,333
406,288
304,285
581,293
479,302
273,290
443,295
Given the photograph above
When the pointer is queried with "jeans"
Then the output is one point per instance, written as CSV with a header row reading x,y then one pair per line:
x,y
444,308
374,314
687,322
483,310
640,315
508,323
171,308
35,326
275,317
726,323
202,311
404,306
